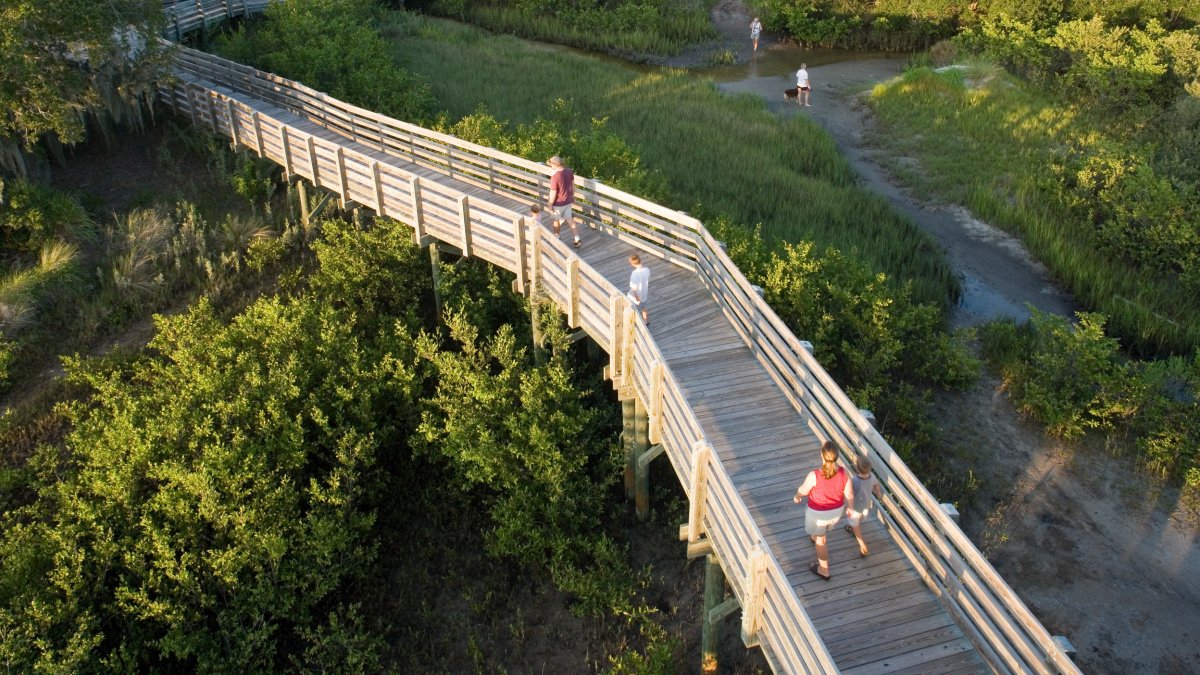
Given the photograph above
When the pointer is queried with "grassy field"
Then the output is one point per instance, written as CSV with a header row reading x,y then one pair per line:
x,y
635,32
719,154
990,142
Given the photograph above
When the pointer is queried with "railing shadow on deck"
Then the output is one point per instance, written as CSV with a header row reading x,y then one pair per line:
x,y
364,162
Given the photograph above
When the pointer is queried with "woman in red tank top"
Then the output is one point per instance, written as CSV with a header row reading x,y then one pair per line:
x,y
829,492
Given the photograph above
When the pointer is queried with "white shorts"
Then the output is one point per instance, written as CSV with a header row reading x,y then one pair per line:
x,y
563,213
817,523
855,518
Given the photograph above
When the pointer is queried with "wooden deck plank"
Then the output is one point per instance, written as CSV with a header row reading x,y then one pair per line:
x,y
918,661
866,646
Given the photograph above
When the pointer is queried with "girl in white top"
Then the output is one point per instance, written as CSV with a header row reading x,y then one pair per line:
x,y
755,31
864,486
802,84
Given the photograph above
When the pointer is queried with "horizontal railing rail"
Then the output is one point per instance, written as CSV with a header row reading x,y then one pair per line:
x,y
353,160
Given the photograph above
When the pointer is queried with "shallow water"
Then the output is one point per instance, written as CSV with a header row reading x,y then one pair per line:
x,y
781,59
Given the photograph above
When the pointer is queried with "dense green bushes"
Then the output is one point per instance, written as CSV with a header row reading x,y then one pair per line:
x,y
1072,378
214,505
210,500
594,152
904,25
333,46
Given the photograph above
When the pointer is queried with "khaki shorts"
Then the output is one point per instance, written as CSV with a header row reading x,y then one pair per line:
x,y
817,523
564,213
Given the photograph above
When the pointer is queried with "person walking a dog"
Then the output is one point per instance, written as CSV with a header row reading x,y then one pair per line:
x,y
755,31
562,197
803,85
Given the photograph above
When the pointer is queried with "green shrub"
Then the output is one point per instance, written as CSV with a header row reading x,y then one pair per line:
x,y
210,507
32,215
1072,379
905,25
866,332
1167,427
595,151
8,352
333,46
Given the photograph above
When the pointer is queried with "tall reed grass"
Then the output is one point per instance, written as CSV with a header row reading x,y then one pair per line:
x,y
662,33
985,140
720,154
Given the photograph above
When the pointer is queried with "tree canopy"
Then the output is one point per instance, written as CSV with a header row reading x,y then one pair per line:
x,y
60,58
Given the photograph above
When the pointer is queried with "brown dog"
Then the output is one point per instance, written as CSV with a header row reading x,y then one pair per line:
x,y
790,95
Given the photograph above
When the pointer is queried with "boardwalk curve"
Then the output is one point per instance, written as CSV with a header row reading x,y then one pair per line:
x,y
735,401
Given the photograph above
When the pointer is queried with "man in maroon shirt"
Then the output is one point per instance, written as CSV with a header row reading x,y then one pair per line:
x,y
562,196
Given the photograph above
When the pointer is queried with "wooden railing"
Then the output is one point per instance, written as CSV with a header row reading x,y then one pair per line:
x,y
1009,637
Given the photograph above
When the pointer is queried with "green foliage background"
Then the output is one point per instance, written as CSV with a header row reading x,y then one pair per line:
x,y
907,25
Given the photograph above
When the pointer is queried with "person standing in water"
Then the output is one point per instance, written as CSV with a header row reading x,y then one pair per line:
x,y
803,84
755,31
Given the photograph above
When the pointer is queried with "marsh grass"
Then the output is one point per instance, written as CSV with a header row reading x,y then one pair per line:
x,y
720,154
619,31
986,141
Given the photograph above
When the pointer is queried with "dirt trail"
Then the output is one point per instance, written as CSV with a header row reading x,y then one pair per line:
x,y
1099,555
998,275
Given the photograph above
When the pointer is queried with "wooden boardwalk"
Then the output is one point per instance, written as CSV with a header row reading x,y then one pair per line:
x,y
736,403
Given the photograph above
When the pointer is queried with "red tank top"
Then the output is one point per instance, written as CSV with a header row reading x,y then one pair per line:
x,y
828,493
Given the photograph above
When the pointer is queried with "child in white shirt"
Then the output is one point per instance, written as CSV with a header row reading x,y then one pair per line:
x,y
639,286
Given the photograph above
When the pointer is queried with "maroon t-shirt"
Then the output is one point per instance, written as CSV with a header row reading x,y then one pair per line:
x,y
562,186
828,494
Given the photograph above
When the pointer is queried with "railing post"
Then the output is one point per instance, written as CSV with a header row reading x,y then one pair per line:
x,y
628,351
212,113
535,297
615,304
258,139
535,265
519,238
343,183
235,137
375,174
701,450
414,190
464,219
187,90
657,375
287,149
755,586
312,161
573,291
